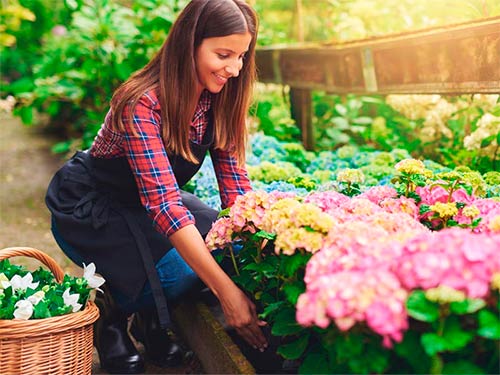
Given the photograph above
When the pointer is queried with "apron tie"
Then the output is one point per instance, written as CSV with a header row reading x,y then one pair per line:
x,y
95,205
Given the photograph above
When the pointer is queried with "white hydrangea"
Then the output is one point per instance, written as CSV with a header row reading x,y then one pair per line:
x,y
487,126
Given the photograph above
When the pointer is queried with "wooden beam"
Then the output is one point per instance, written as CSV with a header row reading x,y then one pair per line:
x,y
456,59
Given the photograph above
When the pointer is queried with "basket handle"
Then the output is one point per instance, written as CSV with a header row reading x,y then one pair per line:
x,y
56,270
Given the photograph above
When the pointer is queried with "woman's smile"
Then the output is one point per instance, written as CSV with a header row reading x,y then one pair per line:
x,y
220,58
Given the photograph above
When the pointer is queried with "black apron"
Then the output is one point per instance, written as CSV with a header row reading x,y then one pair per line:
x,y
96,207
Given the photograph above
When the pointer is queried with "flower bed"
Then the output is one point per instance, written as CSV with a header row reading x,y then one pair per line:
x,y
280,166
401,278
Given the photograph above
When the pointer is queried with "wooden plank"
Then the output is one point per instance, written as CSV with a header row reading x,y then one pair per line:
x,y
455,59
206,336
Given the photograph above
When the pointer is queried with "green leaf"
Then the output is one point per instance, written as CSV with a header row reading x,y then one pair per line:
x,y
377,359
467,306
314,363
411,350
424,208
348,346
41,310
433,343
271,308
455,337
285,323
293,291
461,367
420,308
291,264
123,70
20,86
8,311
487,141
26,114
259,267
61,147
489,325
224,212
294,349
53,108
266,235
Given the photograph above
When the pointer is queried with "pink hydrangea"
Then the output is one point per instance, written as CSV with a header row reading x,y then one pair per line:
x,y
220,235
489,212
245,215
249,209
377,194
400,205
453,257
326,200
353,209
433,194
373,296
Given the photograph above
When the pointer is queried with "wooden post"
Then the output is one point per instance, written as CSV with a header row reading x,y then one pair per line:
x,y
301,109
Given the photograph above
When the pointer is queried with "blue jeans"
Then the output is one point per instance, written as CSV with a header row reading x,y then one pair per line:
x,y
176,277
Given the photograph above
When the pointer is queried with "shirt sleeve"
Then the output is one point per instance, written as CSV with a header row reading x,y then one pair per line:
x,y
232,180
148,160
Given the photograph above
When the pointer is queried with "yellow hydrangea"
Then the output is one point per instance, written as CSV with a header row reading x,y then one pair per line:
x,y
444,294
410,166
444,210
494,224
495,281
352,176
471,211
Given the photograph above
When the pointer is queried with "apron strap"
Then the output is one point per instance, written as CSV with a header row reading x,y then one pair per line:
x,y
149,266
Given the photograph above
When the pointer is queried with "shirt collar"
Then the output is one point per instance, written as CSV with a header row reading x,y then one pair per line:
x,y
204,103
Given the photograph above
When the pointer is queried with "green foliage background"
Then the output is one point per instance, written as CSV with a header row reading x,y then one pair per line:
x,y
64,59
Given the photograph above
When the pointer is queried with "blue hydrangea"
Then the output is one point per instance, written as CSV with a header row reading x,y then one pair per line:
x,y
324,161
435,167
260,143
278,186
363,158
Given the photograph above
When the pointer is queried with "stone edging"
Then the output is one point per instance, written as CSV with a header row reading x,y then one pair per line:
x,y
206,336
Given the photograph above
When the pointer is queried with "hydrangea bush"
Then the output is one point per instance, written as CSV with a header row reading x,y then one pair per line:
x,y
402,277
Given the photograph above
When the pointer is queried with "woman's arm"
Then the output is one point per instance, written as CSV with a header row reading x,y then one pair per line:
x,y
232,179
238,310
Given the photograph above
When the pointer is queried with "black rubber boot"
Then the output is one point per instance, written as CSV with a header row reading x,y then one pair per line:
x,y
160,349
117,352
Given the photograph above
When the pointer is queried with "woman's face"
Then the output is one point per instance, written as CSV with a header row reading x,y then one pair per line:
x,y
220,58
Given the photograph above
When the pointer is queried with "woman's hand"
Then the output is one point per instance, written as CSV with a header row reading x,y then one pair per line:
x,y
239,311
241,314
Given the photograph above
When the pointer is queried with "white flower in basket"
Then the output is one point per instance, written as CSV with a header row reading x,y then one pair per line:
x,y
35,295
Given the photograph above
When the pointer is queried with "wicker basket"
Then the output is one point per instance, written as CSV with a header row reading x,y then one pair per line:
x,y
57,345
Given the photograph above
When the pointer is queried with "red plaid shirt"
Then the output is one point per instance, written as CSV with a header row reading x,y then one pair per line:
x,y
145,152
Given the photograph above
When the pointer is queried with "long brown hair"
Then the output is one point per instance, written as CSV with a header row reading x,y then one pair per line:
x,y
172,72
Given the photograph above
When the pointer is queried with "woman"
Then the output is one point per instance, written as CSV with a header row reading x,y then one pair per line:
x,y
119,204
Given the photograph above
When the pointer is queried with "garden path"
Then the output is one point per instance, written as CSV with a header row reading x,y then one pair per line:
x,y
26,167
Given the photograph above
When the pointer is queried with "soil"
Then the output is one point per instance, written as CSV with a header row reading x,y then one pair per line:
x,y
26,167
